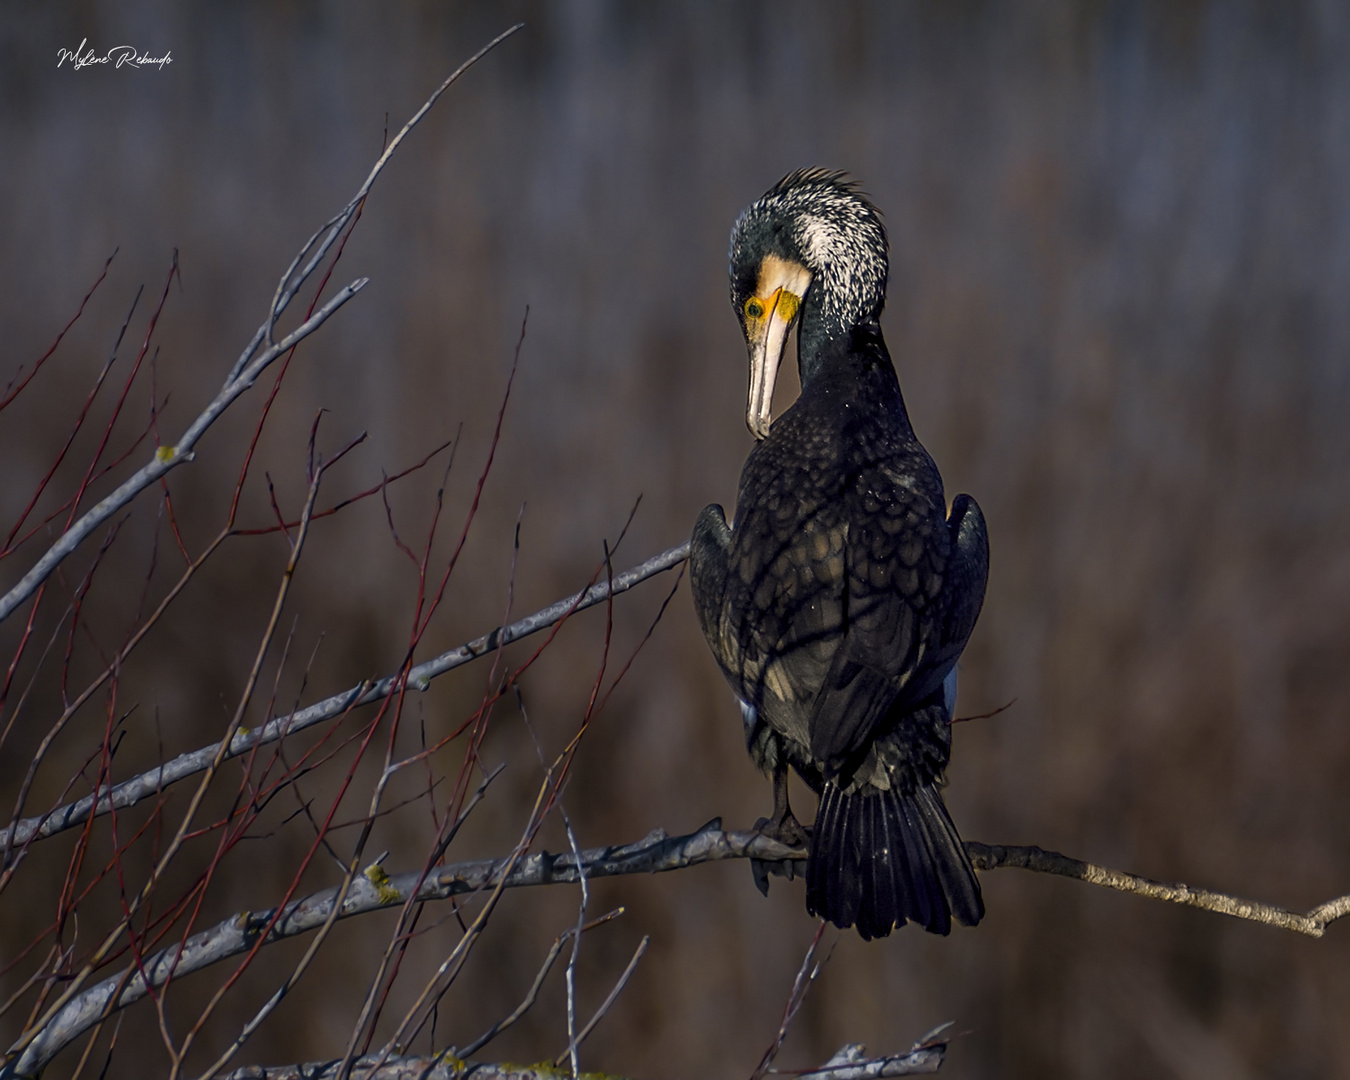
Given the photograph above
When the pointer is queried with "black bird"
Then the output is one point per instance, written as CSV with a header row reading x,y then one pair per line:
x,y
839,603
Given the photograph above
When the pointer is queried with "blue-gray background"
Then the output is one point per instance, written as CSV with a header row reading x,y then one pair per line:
x,y
1118,306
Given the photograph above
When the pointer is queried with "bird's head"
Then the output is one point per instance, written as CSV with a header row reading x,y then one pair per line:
x,y
812,251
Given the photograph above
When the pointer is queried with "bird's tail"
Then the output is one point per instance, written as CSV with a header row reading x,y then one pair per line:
x,y
881,857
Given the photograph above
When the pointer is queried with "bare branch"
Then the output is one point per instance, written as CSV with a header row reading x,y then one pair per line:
x,y
154,781
605,1006
655,853
849,1064
852,1063
166,457
533,994
245,370
1313,923
16,385
440,1067
573,1041
801,985
925,1060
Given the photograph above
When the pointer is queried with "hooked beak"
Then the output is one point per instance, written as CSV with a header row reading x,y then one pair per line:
x,y
770,315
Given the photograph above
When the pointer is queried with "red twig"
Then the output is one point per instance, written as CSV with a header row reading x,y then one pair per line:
x,y
806,976
12,391
9,545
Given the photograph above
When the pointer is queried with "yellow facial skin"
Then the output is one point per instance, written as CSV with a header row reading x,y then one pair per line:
x,y
770,313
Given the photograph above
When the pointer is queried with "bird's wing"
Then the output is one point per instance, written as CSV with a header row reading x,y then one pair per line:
x,y
709,548
782,611
893,644
967,572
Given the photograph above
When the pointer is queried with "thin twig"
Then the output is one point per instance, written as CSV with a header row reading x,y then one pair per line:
x,y
572,1039
444,976
533,994
100,954
16,385
411,908
806,977
9,544
605,1005
333,228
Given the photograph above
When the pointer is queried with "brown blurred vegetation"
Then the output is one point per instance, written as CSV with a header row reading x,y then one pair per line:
x,y
1120,269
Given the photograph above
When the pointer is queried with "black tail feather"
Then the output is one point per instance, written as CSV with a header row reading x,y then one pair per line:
x,y
833,885
887,896
842,864
866,869
930,910
953,864
879,858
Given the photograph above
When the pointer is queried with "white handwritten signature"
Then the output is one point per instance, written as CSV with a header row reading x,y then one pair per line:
x,y
118,56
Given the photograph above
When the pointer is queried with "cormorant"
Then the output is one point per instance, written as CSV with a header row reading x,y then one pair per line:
x,y
839,603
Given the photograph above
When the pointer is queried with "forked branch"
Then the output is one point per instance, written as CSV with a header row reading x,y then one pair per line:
x,y
655,853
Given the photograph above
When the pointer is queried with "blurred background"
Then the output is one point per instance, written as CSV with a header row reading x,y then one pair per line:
x,y
1118,307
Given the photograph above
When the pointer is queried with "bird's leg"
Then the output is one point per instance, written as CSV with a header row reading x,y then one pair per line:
x,y
783,826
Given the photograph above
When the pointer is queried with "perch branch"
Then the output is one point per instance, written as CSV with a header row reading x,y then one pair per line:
x,y
1313,923
654,853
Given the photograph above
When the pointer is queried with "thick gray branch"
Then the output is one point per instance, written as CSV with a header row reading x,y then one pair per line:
x,y
152,783
848,1064
442,1067
654,853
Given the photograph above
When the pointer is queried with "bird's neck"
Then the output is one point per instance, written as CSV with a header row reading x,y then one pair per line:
x,y
853,364
857,351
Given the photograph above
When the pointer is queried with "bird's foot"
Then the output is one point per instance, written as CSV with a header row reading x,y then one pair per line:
x,y
786,830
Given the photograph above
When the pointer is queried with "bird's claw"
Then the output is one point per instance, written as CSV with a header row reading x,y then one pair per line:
x,y
760,869
786,830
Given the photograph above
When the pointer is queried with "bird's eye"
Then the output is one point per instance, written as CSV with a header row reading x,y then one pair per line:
x,y
754,308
